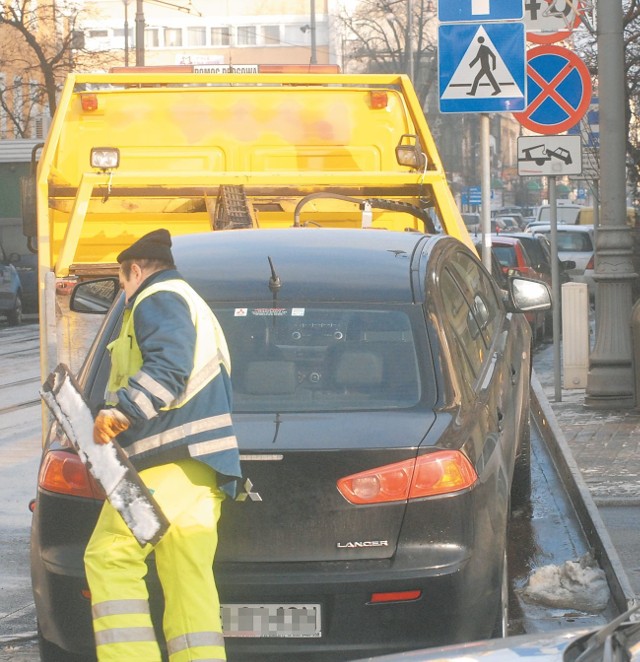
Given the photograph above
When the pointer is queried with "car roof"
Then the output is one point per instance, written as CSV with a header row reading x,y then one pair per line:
x,y
313,264
565,227
505,240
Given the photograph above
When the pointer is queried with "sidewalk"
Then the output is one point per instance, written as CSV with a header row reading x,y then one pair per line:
x,y
606,448
605,444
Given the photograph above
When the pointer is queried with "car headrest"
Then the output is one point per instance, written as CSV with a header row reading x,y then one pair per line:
x,y
270,377
358,368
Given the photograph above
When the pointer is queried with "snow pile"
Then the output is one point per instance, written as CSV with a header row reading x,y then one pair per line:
x,y
579,585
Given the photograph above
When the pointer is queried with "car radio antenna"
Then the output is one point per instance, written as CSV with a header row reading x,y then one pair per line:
x,y
274,282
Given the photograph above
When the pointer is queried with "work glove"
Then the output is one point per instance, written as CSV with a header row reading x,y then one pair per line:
x,y
108,424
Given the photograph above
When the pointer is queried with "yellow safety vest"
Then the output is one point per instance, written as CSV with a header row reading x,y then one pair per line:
x,y
126,358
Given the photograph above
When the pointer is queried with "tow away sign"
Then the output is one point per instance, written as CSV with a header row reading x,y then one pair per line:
x,y
549,155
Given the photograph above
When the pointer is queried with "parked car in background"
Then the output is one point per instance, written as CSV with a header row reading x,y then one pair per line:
x,y
538,248
497,225
511,222
576,243
381,405
514,259
10,289
27,267
586,216
567,213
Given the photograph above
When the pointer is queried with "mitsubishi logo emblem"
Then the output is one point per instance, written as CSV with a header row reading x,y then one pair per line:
x,y
254,496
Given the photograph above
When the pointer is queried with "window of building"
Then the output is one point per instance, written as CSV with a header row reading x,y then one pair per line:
x,y
297,35
172,37
98,34
197,36
151,38
271,34
221,36
247,35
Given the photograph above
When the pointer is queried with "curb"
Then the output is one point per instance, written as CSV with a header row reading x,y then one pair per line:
x,y
543,416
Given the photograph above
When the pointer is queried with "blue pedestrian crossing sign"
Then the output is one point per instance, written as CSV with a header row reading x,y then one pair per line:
x,y
480,10
482,67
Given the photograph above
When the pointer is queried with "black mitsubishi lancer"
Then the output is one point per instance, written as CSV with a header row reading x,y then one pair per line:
x,y
381,404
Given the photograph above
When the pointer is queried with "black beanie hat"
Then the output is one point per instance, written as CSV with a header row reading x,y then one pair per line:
x,y
155,245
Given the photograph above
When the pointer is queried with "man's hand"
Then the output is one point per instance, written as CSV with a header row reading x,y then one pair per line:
x,y
108,424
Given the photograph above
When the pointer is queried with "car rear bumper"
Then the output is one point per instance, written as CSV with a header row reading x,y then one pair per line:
x,y
454,606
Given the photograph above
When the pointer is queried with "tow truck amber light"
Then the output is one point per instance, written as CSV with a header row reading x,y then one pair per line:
x,y
64,473
442,472
379,100
89,102
395,596
105,158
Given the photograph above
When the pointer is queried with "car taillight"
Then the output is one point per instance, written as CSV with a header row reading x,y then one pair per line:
x,y
591,263
433,474
64,473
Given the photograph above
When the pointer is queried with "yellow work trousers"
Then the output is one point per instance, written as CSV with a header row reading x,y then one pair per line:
x,y
115,565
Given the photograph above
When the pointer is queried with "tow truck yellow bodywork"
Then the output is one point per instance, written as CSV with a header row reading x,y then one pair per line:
x,y
200,152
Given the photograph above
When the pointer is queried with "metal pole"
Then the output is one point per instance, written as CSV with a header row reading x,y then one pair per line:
x,y
139,34
409,40
126,33
314,58
485,190
610,381
555,286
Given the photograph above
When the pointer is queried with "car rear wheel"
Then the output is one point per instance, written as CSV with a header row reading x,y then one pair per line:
x,y
15,316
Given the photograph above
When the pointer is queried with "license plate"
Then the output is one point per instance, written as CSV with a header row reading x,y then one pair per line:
x,y
271,620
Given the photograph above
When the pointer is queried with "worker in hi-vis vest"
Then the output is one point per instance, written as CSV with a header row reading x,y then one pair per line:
x,y
168,402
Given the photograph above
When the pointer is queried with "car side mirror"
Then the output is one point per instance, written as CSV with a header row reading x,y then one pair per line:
x,y
94,296
527,294
567,265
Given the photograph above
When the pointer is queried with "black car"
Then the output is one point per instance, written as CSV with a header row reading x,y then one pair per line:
x,y
381,404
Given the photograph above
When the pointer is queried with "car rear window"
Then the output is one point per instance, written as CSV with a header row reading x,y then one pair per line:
x,y
506,255
574,241
300,359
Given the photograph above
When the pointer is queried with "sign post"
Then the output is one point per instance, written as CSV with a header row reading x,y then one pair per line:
x,y
481,69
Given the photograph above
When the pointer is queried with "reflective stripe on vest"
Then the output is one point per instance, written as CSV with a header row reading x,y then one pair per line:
x,y
186,430
127,359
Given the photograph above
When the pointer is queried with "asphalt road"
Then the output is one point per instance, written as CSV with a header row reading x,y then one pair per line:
x,y
20,426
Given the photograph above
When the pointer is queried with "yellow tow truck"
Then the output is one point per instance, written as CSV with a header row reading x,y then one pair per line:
x,y
130,152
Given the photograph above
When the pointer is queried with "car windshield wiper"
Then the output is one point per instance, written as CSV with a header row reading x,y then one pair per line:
x,y
610,643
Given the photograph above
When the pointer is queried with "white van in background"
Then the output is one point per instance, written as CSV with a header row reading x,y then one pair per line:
x,y
567,213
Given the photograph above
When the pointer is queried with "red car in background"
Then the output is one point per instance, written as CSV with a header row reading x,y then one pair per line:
x,y
514,259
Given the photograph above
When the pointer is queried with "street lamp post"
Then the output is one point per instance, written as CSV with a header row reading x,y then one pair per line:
x,y
312,11
409,40
126,32
610,382
139,34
